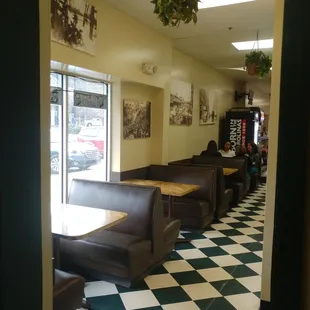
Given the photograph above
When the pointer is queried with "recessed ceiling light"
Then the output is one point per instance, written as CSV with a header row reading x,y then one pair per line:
x,y
249,45
205,4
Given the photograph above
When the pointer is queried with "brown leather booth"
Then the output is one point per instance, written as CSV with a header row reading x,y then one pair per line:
x,y
68,291
125,252
239,181
196,209
224,195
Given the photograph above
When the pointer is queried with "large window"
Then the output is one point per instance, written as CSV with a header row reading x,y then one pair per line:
x,y
79,132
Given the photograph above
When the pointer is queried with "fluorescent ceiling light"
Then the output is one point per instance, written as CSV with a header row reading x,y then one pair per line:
x,y
205,4
249,45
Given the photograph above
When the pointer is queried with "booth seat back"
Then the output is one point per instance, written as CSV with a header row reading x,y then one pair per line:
x,y
239,163
142,204
204,177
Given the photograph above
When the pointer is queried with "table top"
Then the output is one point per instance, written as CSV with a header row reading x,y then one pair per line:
x,y
167,188
78,222
229,171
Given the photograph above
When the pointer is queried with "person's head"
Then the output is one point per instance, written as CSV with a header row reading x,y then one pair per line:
x,y
212,147
252,147
227,146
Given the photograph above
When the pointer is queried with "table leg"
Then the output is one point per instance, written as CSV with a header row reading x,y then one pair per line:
x,y
170,207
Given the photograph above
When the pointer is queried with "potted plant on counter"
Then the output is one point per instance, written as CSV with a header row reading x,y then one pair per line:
x,y
173,12
257,63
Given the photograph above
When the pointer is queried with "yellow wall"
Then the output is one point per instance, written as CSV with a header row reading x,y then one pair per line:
x,y
47,275
123,44
143,152
184,141
273,150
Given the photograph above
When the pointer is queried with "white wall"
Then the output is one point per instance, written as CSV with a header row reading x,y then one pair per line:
x,y
273,150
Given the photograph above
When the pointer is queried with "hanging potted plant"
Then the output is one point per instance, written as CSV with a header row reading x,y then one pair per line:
x,y
173,12
257,63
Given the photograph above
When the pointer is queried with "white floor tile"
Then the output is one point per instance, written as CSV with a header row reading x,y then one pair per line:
x,y
258,217
203,243
235,214
244,301
214,274
228,220
191,254
250,201
240,209
178,266
201,291
253,224
235,249
260,212
160,281
139,300
221,226
188,305
213,234
257,267
249,231
99,288
242,239
226,260
246,205
259,253
253,284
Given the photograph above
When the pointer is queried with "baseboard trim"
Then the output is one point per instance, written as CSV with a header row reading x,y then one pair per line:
x,y
265,305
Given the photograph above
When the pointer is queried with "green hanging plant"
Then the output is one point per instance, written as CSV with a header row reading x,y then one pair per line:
x,y
257,63
173,12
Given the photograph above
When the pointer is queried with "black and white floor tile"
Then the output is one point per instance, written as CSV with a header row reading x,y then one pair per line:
x,y
219,270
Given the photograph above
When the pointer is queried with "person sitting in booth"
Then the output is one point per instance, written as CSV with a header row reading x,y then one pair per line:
x,y
211,150
227,151
253,159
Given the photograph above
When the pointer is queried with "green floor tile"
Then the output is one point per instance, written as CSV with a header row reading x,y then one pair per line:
x,y
171,295
110,302
202,263
214,251
240,271
223,241
248,258
230,287
231,232
253,247
189,277
214,304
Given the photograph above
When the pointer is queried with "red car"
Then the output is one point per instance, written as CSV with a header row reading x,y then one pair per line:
x,y
94,136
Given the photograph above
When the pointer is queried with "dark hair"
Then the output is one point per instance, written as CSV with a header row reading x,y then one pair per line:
x,y
254,147
212,147
227,142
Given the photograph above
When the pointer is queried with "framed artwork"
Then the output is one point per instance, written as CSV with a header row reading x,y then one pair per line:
x,y
181,103
74,24
208,107
136,119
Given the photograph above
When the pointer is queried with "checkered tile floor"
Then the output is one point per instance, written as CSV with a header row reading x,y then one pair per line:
x,y
219,270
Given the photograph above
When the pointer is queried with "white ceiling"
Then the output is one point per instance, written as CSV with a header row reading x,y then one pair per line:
x,y
210,39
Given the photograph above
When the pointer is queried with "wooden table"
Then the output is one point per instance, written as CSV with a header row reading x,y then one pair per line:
x,y
229,171
77,222
169,189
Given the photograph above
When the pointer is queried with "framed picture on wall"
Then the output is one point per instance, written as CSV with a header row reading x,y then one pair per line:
x,y
136,119
74,24
181,103
208,107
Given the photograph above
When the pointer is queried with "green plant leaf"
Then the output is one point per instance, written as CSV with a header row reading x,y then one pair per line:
x,y
173,12
262,62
